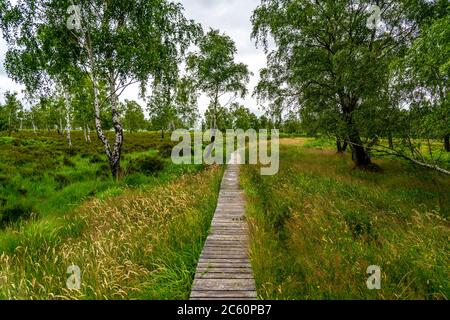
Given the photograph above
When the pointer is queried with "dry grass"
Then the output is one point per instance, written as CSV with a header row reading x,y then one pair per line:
x,y
294,141
142,244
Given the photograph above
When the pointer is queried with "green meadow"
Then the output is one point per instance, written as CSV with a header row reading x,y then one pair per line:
x,y
319,223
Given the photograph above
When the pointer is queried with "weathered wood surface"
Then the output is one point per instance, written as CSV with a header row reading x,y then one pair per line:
x,y
224,270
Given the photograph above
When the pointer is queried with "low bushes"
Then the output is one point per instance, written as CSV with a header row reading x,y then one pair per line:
x,y
15,213
37,167
165,150
147,166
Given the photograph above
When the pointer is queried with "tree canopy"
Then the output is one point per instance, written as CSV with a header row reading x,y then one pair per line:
x,y
327,61
215,71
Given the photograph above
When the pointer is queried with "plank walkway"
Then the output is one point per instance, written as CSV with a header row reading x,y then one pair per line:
x,y
224,271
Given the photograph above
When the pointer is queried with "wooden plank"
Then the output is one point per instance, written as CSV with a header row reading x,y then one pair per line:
x,y
226,223
214,264
223,275
221,220
224,294
226,238
229,229
224,270
224,251
227,253
220,299
230,226
223,256
236,225
226,243
229,249
224,284
233,262
242,248
220,246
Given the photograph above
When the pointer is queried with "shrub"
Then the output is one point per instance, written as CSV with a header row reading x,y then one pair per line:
x,y
61,179
22,191
165,150
72,151
17,142
96,159
69,163
4,179
6,140
360,224
148,166
103,171
15,213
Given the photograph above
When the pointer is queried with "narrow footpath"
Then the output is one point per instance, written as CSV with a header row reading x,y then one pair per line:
x,y
224,270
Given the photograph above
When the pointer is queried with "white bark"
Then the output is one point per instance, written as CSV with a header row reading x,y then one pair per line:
x,y
89,134
68,126
116,153
84,132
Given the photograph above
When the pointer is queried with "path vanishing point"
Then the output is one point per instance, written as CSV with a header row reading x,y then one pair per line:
x,y
224,271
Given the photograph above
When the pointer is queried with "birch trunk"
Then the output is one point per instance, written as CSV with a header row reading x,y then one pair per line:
x,y
214,125
115,154
97,104
114,159
84,133
88,134
68,130
9,123
68,126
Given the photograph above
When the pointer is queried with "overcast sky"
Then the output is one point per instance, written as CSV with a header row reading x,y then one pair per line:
x,y
229,16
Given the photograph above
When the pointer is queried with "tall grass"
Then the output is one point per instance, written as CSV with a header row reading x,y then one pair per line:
x,y
41,176
318,225
142,244
138,237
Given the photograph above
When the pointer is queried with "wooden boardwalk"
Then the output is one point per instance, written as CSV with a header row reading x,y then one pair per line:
x,y
224,271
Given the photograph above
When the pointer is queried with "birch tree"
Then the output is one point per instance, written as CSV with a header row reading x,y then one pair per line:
x,y
117,42
216,73
328,58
